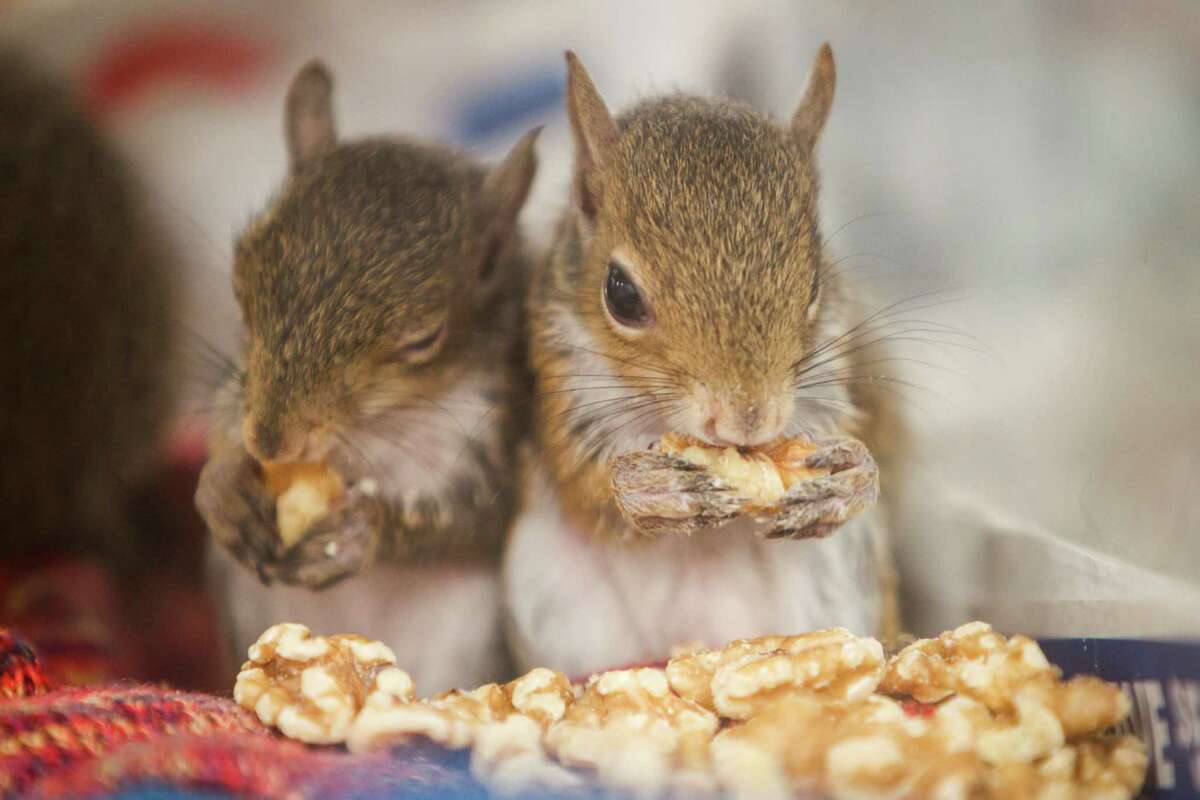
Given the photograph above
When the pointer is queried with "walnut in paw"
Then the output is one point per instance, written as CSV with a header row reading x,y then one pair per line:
x,y
311,687
304,493
761,476
750,675
792,489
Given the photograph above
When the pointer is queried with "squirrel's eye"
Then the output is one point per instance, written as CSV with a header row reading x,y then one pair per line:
x,y
422,348
623,298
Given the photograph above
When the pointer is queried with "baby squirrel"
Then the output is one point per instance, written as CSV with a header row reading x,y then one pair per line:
x,y
381,292
86,299
688,290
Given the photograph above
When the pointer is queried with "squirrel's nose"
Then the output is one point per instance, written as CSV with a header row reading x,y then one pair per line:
x,y
743,425
266,442
732,430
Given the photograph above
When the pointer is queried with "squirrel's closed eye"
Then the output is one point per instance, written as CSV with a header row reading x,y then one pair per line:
x,y
624,300
420,348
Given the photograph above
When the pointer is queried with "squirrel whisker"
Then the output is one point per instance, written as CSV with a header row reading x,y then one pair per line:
x,y
883,313
861,218
631,399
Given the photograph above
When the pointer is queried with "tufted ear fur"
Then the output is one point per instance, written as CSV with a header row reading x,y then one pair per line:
x,y
595,135
813,111
308,114
503,195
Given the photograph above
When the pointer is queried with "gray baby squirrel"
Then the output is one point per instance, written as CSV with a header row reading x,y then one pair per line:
x,y
689,291
381,291
86,298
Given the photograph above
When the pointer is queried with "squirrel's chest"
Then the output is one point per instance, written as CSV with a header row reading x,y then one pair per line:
x,y
578,603
442,620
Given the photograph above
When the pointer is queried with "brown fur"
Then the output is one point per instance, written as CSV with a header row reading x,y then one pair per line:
x,y
364,248
717,205
372,244
86,323
714,210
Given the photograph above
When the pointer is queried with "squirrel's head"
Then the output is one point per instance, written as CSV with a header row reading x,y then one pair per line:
x,y
699,276
361,281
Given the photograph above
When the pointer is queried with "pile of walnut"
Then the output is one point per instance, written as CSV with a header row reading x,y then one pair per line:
x,y
969,714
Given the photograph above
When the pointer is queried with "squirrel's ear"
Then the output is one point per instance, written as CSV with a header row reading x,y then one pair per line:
x,y
504,191
814,107
594,132
308,114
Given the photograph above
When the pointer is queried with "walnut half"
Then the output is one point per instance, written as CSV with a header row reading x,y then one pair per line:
x,y
304,493
761,476
749,675
312,687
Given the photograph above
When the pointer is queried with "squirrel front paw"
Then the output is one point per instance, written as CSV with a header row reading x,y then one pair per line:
x,y
240,513
658,493
340,545
816,507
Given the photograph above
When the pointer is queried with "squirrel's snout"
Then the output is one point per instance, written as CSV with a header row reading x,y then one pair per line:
x,y
744,424
264,441
270,442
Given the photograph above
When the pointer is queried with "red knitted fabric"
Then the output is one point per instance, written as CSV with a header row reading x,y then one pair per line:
x,y
91,742
42,731
20,673
46,733
243,764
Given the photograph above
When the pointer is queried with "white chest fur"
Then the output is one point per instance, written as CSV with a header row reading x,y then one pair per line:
x,y
579,604
442,620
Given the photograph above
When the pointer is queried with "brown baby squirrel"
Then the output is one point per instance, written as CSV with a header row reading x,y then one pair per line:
x,y
689,291
86,322
381,291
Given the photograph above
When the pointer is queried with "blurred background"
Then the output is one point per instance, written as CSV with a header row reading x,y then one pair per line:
x,y
1024,176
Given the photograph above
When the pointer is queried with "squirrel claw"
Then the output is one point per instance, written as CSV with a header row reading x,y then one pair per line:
x,y
657,493
239,511
816,508
336,547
